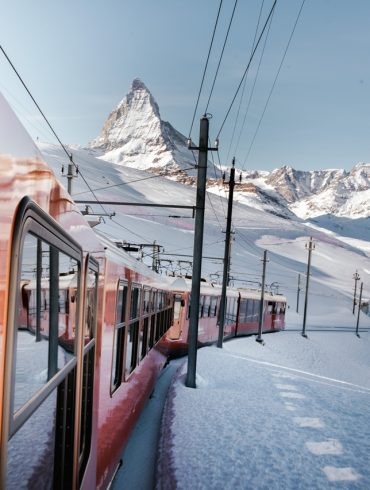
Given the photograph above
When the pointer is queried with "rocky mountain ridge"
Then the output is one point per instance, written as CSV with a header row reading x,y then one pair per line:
x,y
135,135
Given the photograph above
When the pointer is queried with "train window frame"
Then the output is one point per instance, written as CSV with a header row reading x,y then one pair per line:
x,y
134,321
119,334
145,326
88,362
30,219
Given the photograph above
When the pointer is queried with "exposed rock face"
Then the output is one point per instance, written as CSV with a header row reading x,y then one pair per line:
x,y
134,135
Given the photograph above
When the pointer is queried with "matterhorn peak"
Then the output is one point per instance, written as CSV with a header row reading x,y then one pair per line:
x,y
138,84
134,135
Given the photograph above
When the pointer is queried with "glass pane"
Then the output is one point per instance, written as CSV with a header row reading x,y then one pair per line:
x,y
90,306
32,343
135,303
67,308
31,450
131,347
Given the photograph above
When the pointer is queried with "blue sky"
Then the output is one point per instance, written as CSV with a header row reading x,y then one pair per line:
x,y
79,59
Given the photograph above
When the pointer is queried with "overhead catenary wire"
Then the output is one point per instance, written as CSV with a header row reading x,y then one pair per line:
x,y
57,137
221,55
34,101
205,68
253,87
274,83
245,83
109,186
247,68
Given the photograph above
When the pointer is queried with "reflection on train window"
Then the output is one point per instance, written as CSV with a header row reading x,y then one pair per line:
x,y
42,392
46,316
119,336
250,310
206,307
133,331
88,364
31,449
153,318
144,332
243,310
256,310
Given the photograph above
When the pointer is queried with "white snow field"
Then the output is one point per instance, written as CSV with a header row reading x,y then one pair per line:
x,y
292,414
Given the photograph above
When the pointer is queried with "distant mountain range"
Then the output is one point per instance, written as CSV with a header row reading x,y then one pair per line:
x,y
134,135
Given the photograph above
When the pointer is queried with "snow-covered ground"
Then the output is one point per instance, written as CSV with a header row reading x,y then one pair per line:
x,y
291,414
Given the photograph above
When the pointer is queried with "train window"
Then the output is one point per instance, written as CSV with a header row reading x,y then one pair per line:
x,y
40,374
215,307
243,310
250,310
45,340
146,305
159,316
201,303
90,317
256,310
206,308
179,302
272,307
281,308
144,332
153,303
133,331
119,336
23,469
32,339
211,305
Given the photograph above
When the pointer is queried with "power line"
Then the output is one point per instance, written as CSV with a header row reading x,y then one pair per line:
x,y
254,86
222,53
245,83
126,183
247,68
34,101
46,120
205,68
274,83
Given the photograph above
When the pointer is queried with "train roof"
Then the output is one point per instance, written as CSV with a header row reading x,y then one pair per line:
x,y
183,284
120,256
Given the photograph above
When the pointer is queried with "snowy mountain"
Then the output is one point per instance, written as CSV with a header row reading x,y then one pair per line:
x,y
320,192
134,135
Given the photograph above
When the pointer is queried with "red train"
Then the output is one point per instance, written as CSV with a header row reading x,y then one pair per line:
x,y
84,330
241,315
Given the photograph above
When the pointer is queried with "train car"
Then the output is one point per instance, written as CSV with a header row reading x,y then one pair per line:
x,y
241,315
80,325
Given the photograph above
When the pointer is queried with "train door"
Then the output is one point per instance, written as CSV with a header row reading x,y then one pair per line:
x,y
38,422
178,317
89,335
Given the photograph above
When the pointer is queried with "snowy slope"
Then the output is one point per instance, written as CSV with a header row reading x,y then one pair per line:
x,y
291,414
266,412
333,262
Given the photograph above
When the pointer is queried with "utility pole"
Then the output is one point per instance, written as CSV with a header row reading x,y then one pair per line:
x,y
70,174
310,246
155,259
356,277
359,309
226,271
198,248
260,319
298,290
